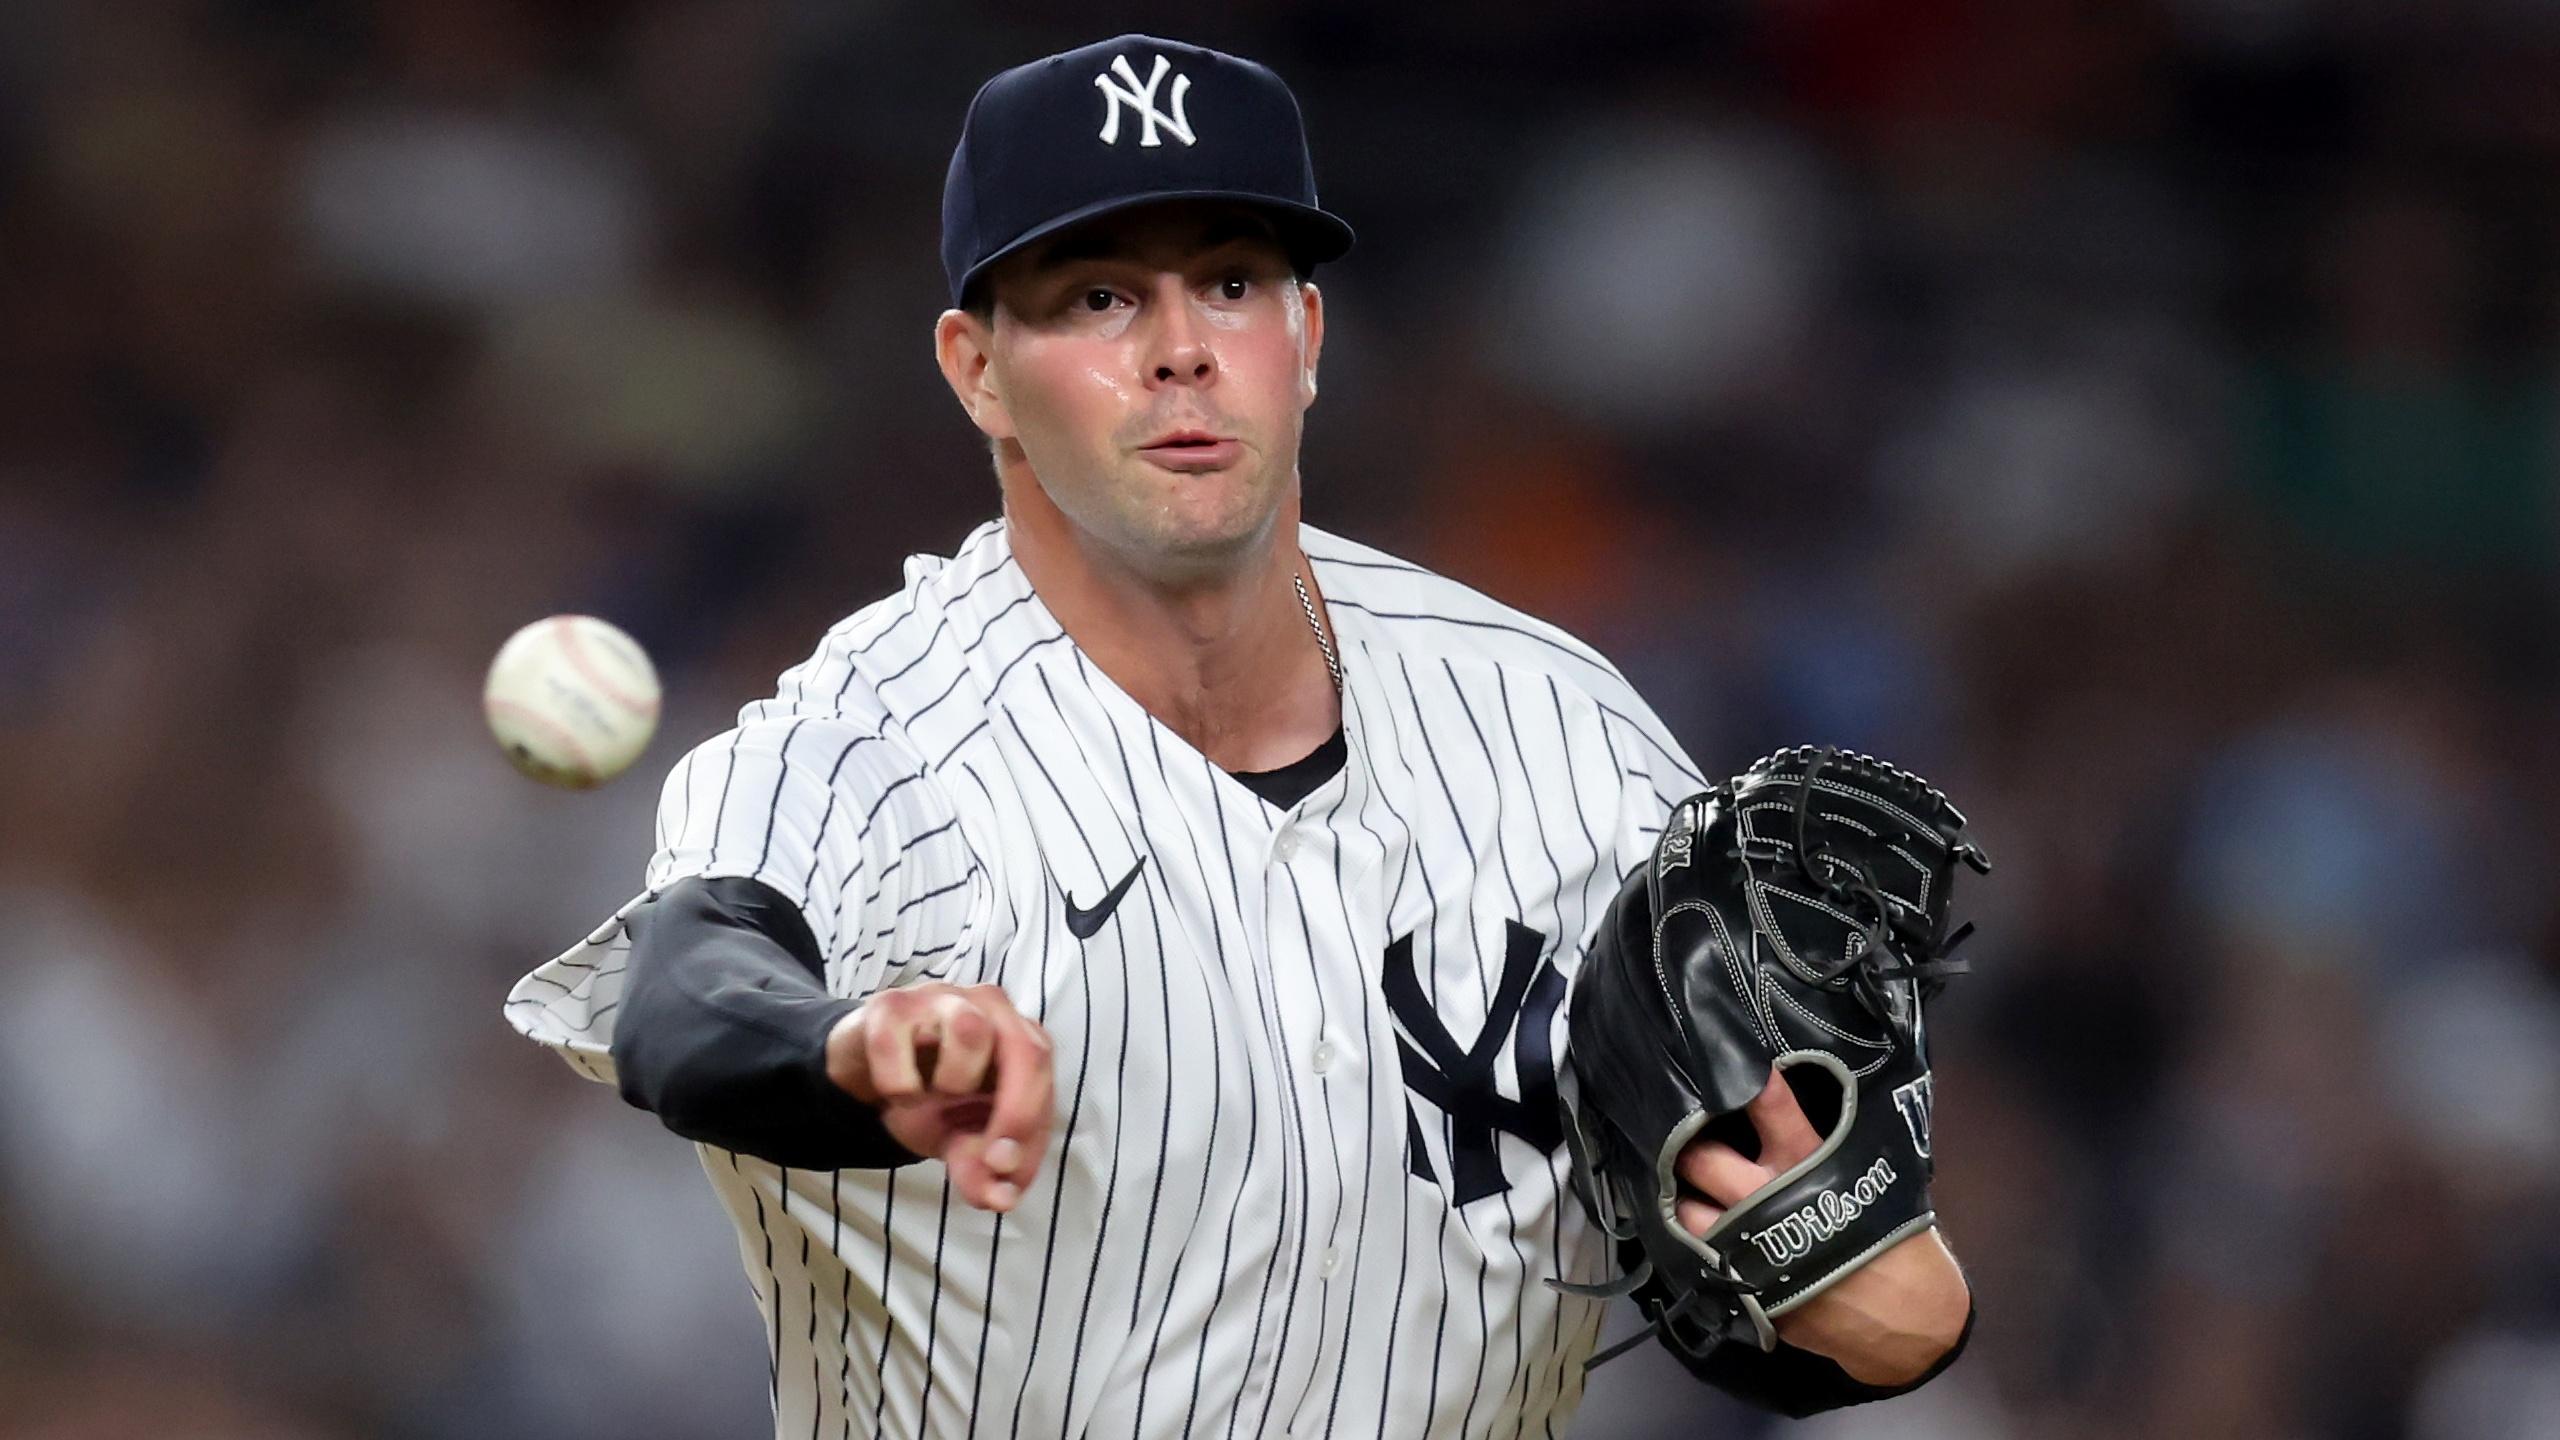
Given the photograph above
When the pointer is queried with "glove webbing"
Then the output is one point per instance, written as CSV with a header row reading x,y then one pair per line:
x,y
1861,895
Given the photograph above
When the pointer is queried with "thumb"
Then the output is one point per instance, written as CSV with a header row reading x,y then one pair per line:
x,y
848,1061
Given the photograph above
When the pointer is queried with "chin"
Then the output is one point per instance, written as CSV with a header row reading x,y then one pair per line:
x,y
1197,552
1176,545
1205,526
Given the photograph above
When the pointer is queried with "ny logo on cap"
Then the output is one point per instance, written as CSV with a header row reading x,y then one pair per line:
x,y
1142,98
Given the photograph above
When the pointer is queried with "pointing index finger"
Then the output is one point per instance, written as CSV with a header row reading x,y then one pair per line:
x,y
1025,1100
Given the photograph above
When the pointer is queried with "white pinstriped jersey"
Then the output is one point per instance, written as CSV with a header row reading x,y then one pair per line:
x,y
1298,1185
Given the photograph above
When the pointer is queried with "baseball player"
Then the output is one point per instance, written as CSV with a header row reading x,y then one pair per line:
x,y
1116,982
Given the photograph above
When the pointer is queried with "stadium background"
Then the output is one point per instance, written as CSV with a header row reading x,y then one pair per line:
x,y
2136,414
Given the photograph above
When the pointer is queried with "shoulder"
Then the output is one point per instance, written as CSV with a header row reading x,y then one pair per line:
x,y
917,664
1404,616
855,717
1401,610
858,667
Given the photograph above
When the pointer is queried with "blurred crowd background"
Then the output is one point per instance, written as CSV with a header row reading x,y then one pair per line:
x,y
2142,416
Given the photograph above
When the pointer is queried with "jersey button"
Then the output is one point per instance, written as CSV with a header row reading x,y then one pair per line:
x,y
1285,849
1332,1260
1322,1060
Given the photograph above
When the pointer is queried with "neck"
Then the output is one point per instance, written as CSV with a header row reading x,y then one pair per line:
x,y
1223,658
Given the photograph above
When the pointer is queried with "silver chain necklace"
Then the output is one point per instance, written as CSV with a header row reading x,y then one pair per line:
x,y
1332,662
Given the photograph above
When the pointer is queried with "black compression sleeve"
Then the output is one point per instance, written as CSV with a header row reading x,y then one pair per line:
x,y
722,1030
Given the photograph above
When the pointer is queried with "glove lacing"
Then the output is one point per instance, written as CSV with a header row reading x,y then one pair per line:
x,y
1861,896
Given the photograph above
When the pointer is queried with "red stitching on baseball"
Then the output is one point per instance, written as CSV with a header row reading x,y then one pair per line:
x,y
575,652
540,721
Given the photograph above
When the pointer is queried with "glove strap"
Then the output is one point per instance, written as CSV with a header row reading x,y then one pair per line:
x,y
1655,1327
1606,1289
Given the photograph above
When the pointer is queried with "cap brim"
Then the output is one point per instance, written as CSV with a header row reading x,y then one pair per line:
x,y
1312,236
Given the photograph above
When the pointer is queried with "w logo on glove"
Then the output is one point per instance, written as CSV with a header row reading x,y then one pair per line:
x,y
1913,1100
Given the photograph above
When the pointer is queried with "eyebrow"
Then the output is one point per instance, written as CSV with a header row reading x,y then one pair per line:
x,y
1099,245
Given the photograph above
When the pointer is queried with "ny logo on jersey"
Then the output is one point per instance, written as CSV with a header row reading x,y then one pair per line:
x,y
1142,98
1461,1081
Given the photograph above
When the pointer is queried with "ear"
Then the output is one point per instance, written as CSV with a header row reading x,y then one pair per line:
x,y
964,345
1312,301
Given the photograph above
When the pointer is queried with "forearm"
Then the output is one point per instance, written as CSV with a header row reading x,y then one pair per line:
x,y
723,1026
1893,1321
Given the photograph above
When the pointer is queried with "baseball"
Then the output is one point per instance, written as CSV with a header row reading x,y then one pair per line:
x,y
572,700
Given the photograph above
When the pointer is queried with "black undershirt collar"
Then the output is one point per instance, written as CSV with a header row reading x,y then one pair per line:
x,y
1298,779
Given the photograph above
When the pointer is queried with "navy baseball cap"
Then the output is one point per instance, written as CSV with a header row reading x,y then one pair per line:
x,y
1122,123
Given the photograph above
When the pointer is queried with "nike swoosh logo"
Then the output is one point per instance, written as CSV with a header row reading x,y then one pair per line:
x,y
1082,921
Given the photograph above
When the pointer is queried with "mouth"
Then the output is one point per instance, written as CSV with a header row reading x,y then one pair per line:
x,y
1191,451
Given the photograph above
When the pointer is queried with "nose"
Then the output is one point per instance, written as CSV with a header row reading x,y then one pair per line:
x,y
1178,349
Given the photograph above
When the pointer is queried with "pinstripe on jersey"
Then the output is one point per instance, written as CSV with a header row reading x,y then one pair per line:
x,y
1246,1225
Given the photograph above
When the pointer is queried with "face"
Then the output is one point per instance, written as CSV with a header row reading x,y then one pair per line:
x,y
1154,369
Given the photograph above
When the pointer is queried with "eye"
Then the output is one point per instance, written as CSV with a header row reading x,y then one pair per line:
x,y
1234,287
1097,301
